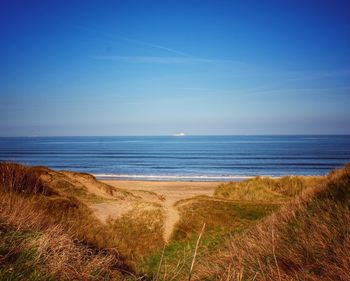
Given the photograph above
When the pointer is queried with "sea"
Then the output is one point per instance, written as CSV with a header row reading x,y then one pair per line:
x,y
182,158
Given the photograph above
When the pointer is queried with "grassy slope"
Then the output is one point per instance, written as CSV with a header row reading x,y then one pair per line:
x,y
235,212
222,218
143,222
28,205
17,258
141,229
266,189
62,199
308,239
33,247
236,207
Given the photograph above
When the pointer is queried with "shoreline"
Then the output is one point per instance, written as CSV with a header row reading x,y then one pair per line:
x,y
180,179
148,183
159,181
177,178
171,190
193,179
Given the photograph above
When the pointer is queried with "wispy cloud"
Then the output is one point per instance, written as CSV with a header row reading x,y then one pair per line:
x,y
256,92
114,37
328,91
312,75
161,60
151,45
316,90
180,58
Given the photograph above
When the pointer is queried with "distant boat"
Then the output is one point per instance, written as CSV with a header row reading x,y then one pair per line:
x,y
179,135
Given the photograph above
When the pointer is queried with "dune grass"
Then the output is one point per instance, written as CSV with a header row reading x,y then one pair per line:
x,y
33,248
266,189
61,202
141,230
75,184
28,204
308,239
222,218
293,228
17,260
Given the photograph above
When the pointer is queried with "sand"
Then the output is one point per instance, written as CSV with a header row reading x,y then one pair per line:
x,y
113,199
164,193
172,191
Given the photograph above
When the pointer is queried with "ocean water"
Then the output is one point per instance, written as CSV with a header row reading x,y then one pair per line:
x,y
206,158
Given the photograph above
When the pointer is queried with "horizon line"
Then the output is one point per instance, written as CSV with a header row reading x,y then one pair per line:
x,y
171,135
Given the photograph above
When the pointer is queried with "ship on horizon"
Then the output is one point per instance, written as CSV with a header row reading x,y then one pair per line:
x,y
179,134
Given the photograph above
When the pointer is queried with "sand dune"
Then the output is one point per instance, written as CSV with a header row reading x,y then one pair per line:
x,y
165,193
111,199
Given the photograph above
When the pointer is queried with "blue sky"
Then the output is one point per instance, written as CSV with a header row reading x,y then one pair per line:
x,y
161,67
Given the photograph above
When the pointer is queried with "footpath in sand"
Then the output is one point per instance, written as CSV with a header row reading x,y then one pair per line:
x,y
166,194
111,199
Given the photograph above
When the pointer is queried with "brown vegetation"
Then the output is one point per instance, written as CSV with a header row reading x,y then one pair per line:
x,y
220,216
266,189
56,253
307,240
293,228
141,230
60,229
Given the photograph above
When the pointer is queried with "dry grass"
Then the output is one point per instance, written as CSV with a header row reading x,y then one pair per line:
x,y
24,208
77,184
59,206
53,250
48,233
307,240
141,230
266,189
223,218
22,179
220,216
58,200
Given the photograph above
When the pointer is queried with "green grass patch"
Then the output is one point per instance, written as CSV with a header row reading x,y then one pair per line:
x,y
18,262
223,219
219,216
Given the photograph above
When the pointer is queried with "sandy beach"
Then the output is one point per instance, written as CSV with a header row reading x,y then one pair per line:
x,y
172,191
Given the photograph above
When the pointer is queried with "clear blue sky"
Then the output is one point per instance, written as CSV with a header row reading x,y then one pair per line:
x,y
161,67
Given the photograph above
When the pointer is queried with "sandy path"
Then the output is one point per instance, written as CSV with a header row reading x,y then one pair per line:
x,y
172,216
171,192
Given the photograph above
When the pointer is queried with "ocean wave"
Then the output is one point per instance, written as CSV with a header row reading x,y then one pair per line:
x,y
160,177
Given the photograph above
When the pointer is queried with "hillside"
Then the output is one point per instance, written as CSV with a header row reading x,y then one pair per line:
x,y
308,239
61,225
48,234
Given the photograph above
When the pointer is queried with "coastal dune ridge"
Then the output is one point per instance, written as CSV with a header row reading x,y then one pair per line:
x,y
126,227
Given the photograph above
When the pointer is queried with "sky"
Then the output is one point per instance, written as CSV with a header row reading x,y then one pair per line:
x,y
77,68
